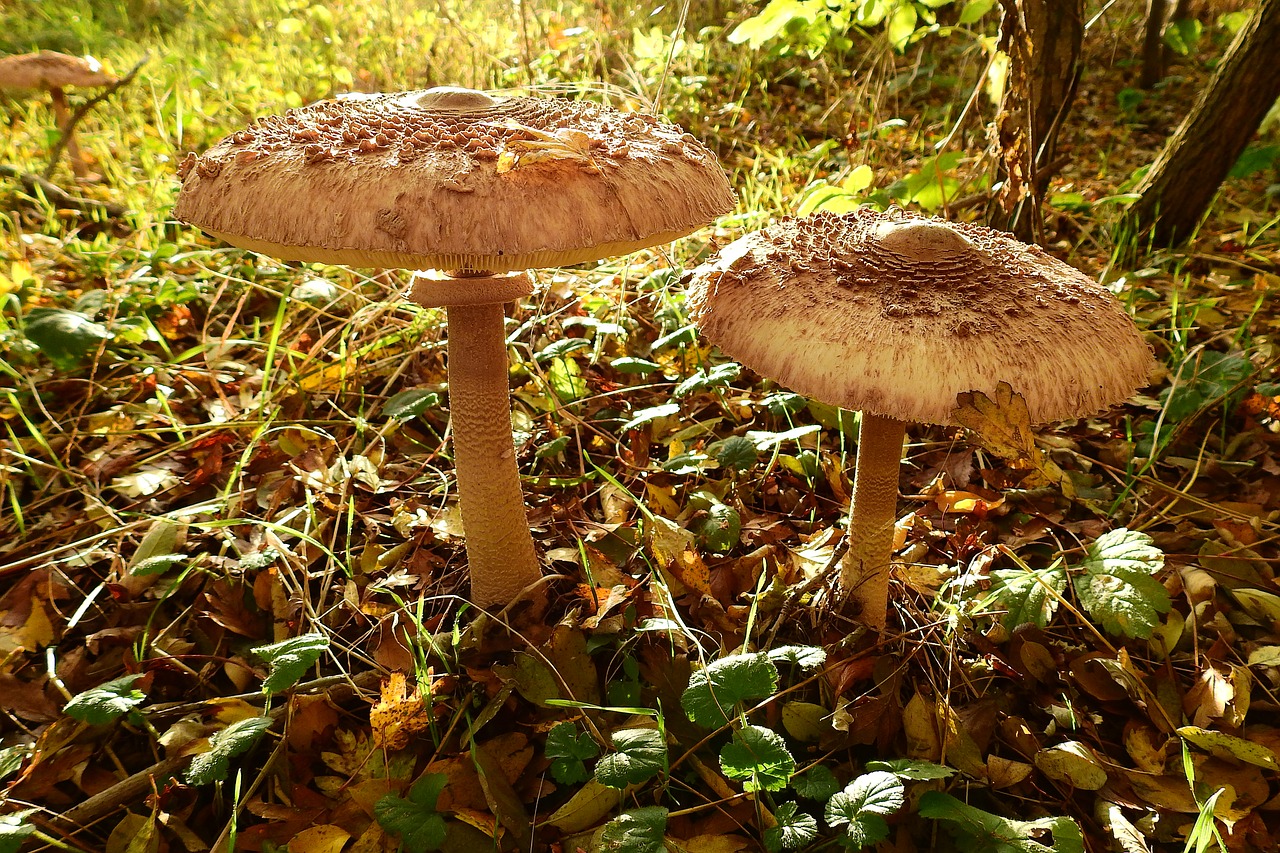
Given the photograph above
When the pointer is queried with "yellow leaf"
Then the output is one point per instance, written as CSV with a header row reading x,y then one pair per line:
x,y
134,834
1003,427
1074,763
399,715
586,808
326,838
1229,747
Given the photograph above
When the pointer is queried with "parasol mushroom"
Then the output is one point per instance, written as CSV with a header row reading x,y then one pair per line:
x,y
55,72
895,315
482,187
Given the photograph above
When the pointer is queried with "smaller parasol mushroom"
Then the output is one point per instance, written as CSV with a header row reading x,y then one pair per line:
x,y
55,72
895,315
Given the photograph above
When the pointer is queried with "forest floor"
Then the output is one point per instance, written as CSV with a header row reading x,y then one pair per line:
x,y
233,611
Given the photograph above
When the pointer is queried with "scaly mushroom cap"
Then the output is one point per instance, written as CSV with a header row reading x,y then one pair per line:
x,y
896,314
453,179
51,70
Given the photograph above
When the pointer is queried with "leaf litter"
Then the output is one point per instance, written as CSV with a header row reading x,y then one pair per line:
x,y
230,574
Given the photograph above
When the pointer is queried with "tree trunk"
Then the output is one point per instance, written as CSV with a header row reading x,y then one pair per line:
x,y
1180,186
1042,39
1153,52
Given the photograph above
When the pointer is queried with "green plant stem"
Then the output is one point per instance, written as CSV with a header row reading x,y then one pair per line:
x,y
499,546
864,573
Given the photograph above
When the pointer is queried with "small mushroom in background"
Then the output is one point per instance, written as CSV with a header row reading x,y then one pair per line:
x,y
895,315
482,187
55,72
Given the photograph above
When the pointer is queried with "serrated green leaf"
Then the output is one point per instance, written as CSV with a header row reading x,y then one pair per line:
x,y
635,831
735,452
236,738
719,531
66,337
714,691
1116,585
106,702
407,405
982,832
641,755
759,758
816,783
794,829
912,768
876,792
865,829
414,818
805,657
14,830
568,749
289,660
1027,596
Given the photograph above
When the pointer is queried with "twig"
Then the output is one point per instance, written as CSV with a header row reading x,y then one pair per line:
x,y
34,184
69,127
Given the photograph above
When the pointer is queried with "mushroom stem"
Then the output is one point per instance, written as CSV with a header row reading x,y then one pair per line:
x,y
499,546
62,115
864,572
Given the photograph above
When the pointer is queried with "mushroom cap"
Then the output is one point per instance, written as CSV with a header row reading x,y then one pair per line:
x,y
51,70
453,178
896,314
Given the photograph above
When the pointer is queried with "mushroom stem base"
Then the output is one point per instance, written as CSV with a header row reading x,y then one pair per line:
x,y
864,572
500,549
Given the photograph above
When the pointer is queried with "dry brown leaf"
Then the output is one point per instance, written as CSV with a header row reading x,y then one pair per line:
x,y
400,715
325,838
1003,426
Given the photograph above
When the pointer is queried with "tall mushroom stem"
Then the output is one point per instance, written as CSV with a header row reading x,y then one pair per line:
x,y
500,553
864,572
499,545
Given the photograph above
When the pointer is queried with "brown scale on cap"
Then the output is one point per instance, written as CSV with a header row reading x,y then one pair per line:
x,y
896,314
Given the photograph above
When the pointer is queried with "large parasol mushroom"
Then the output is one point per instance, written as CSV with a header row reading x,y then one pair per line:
x,y
895,315
482,187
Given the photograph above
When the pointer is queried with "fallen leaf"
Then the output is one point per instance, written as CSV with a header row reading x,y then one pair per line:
x,y
1074,763
325,838
1228,746
1003,426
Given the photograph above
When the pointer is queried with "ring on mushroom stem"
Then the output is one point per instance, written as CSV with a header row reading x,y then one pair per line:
x,y
455,179
894,315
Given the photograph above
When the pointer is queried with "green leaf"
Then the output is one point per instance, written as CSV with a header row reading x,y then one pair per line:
x,y
1256,158
106,702
564,346
628,364
721,374
794,829
407,405
290,659
11,758
568,749
14,830
641,755
156,565
912,768
236,738
771,22
1116,585
1183,35
982,832
566,380
974,10
66,337
652,413
1027,596
714,691
867,829
816,783
414,818
805,657
1204,379
635,831
735,452
876,792
759,758
719,531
